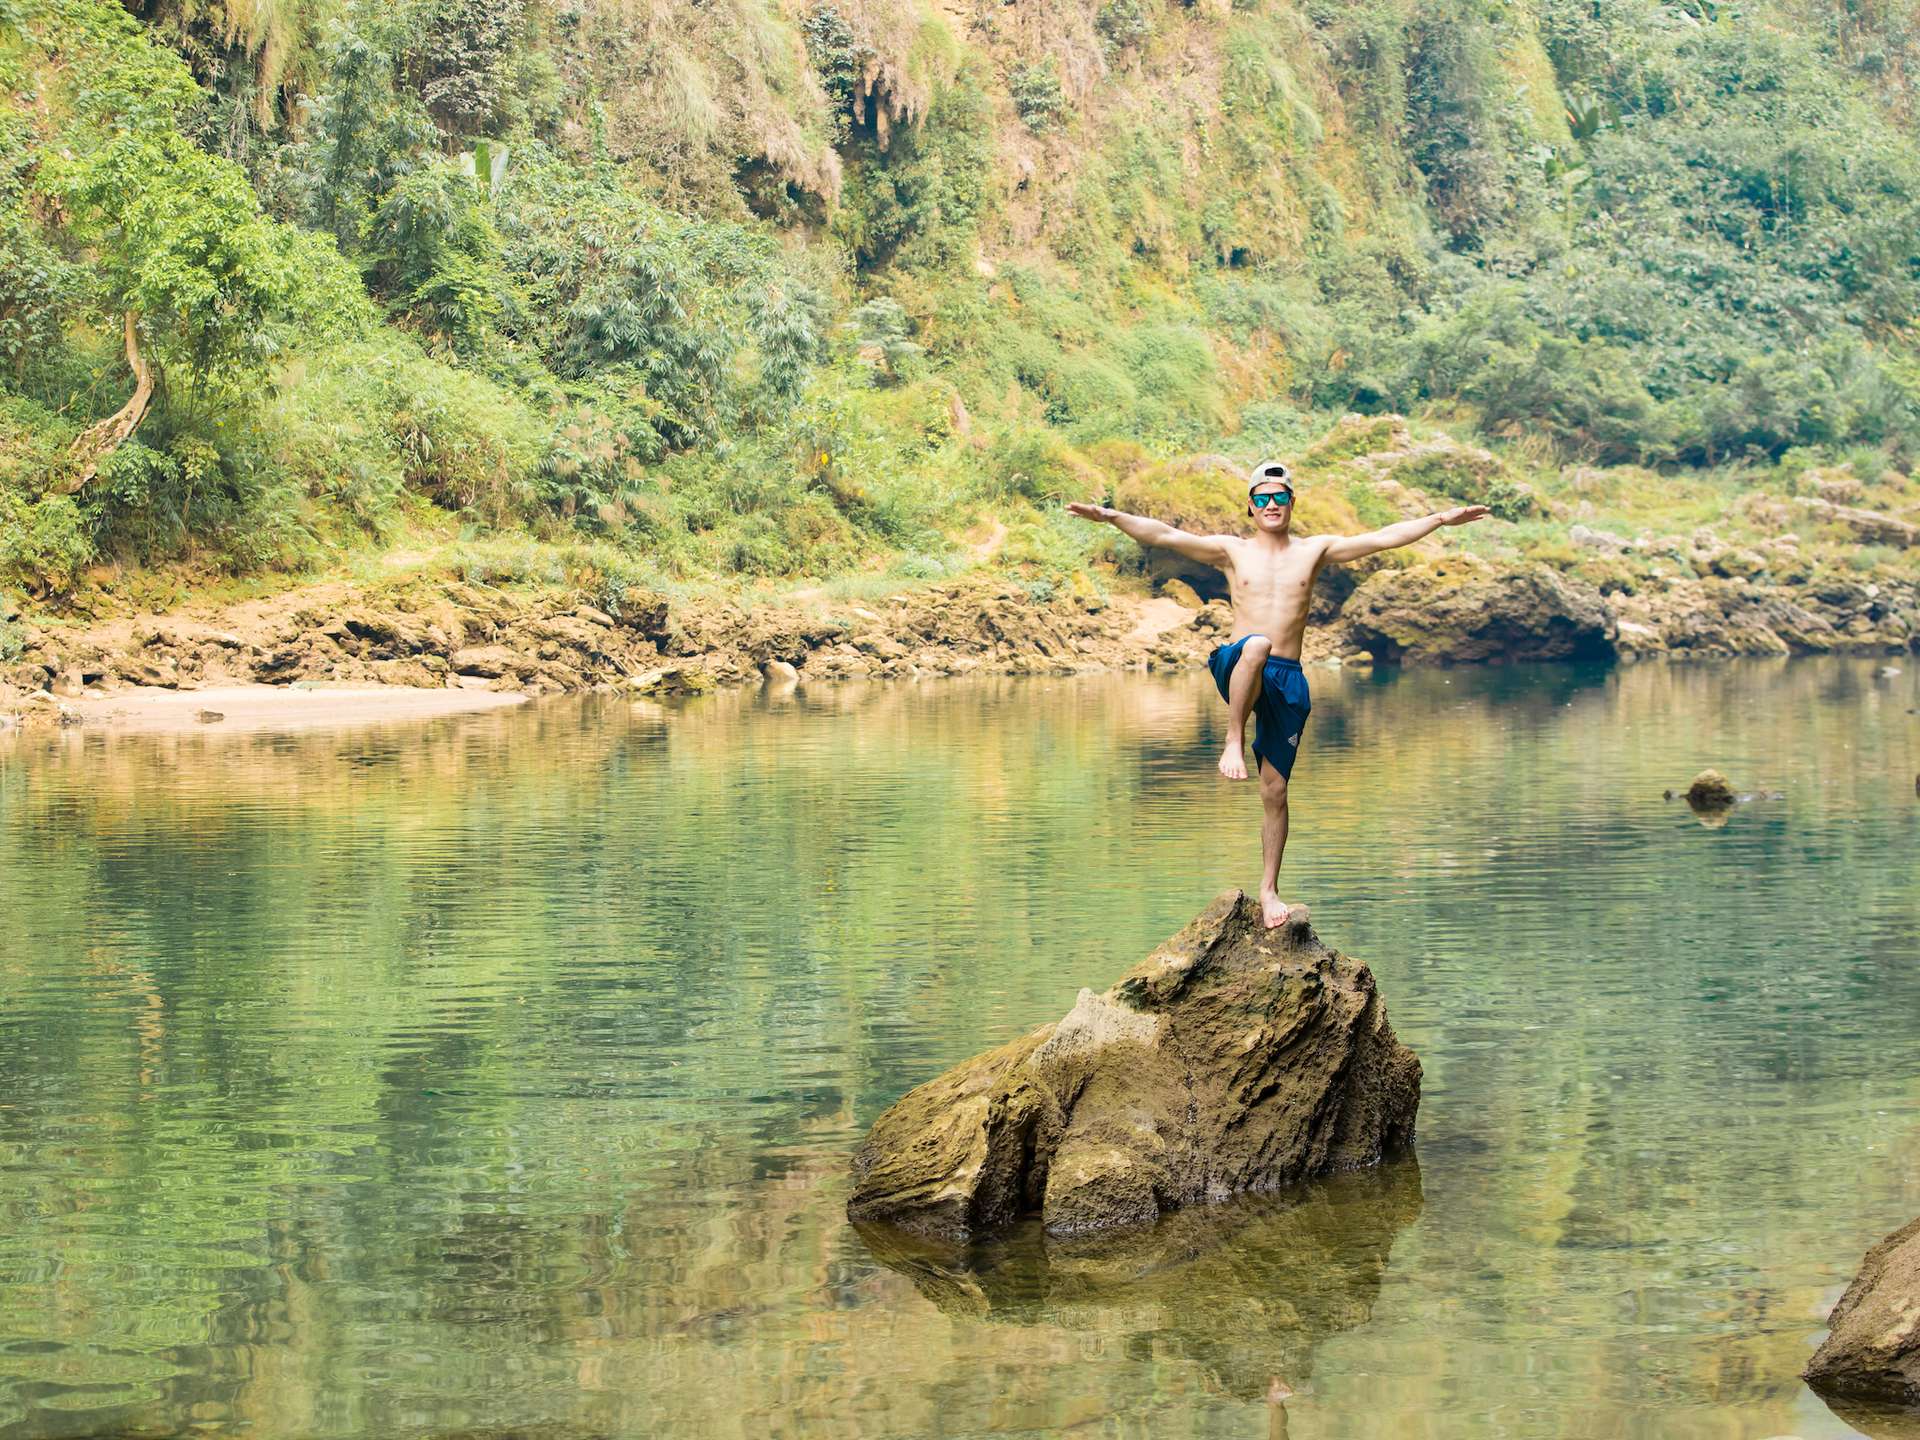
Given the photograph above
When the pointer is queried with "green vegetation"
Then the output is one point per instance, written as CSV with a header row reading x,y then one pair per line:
x,y
731,290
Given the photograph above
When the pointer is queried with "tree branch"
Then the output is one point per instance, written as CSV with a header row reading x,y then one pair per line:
x,y
102,438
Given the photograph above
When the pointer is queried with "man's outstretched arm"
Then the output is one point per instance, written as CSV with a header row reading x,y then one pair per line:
x,y
1207,549
1391,537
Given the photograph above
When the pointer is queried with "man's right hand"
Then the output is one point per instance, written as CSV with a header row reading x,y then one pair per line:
x,y
1092,512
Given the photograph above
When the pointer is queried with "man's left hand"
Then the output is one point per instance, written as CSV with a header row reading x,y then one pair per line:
x,y
1462,514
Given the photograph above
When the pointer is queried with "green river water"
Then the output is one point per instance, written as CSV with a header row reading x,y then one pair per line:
x,y
497,1076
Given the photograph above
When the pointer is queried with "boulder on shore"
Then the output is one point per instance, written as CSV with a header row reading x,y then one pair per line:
x,y
1461,607
1873,1352
1232,1059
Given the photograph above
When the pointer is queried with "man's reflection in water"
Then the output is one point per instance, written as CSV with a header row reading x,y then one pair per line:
x,y
1278,1393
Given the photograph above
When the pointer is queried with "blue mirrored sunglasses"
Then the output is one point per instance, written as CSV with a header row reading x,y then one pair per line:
x,y
1271,497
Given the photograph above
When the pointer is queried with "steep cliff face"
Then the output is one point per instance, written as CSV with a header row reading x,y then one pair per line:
x,y
1232,1059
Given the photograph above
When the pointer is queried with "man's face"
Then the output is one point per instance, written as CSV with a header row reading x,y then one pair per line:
x,y
1275,512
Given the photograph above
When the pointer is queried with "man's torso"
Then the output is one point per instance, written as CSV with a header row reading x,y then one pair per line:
x,y
1270,586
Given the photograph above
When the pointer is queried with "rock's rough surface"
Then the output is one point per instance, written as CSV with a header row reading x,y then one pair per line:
x,y
1461,608
1869,526
1873,1352
1233,1059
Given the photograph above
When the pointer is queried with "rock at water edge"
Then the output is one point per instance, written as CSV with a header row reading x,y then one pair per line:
x,y
1462,608
1873,1352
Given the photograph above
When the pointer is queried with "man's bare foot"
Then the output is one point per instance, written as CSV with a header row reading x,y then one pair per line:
x,y
1273,910
1233,761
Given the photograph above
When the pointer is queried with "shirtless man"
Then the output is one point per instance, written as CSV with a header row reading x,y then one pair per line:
x,y
1270,576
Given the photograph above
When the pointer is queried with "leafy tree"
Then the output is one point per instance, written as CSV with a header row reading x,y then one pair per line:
x,y
183,262
460,64
632,298
434,252
364,131
882,327
37,282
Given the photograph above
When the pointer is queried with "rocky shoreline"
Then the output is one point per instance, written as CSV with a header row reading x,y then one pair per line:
x,y
1451,608
447,634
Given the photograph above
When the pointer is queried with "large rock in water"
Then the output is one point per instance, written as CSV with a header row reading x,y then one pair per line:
x,y
1234,1058
1873,1352
1461,608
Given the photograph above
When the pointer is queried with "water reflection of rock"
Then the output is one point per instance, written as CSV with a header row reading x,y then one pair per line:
x,y
1876,1422
1248,1289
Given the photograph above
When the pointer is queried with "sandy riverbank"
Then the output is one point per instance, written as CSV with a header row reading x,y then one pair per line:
x,y
273,707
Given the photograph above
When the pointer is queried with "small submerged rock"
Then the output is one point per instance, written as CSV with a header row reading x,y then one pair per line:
x,y
1711,797
672,680
1233,1059
1710,790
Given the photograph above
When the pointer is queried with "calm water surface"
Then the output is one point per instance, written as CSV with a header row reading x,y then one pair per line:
x,y
497,1076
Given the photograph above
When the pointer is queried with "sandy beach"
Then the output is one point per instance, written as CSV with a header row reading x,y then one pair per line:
x,y
277,707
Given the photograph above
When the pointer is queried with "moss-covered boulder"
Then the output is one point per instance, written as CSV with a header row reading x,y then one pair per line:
x,y
1373,448
1234,1058
1462,608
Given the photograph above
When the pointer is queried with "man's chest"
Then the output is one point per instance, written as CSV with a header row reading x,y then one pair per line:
x,y
1274,579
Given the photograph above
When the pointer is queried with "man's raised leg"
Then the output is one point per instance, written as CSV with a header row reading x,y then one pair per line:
x,y
1273,844
1242,686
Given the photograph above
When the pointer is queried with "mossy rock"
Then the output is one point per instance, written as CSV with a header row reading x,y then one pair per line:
x,y
1607,574
1372,448
1460,607
1319,511
1236,1058
1206,494
1354,435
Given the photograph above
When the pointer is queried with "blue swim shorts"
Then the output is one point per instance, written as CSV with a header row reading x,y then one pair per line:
x,y
1280,709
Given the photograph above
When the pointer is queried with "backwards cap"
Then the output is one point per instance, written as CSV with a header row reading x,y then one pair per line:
x,y
1268,472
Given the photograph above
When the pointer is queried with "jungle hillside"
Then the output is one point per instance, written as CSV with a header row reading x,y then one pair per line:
x,y
754,294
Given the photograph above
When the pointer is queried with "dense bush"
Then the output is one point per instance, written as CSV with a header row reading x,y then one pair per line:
x,y
1037,96
917,200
